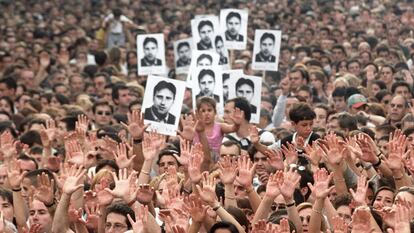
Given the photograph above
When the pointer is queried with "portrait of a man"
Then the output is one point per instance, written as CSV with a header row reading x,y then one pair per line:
x,y
233,24
206,83
150,46
218,42
267,44
204,60
184,54
206,32
245,88
163,100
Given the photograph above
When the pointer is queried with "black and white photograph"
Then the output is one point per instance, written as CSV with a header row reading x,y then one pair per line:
x,y
163,100
207,81
201,59
266,49
249,87
182,55
227,76
204,30
151,54
233,25
222,52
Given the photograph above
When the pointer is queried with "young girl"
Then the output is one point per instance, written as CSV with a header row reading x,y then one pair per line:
x,y
206,109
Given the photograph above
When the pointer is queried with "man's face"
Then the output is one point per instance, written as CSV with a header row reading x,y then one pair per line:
x,y
206,32
397,108
124,98
386,75
354,68
204,62
99,83
115,223
165,162
150,50
27,78
103,115
220,47
27,165
296,80
403,90
207,85
77,84
266,46
39,214
226,88
228,112
4,91
338,54
245,91
261,161
339,103
303,128
163,100
232,151
306,95
184,53
233,26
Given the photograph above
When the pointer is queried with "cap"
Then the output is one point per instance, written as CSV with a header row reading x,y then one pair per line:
x,y
356,101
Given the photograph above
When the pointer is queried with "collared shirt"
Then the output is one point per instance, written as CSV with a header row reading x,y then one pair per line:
x,y
183,63
202,46
146,62
161,119
230,37
261,58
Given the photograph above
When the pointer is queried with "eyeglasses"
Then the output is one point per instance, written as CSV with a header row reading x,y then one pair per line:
x,y
118,227
104,113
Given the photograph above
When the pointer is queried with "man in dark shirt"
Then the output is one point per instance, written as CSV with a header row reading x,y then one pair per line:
x,y
150,50
184,54
206,31
207,82
267,44
233,24
164,96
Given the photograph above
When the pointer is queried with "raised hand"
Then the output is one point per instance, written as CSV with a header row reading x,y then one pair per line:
x,y
291,179
396,151
92,216
194,167
44,59
360,220
136,126
44,191
186,150
189,127
152,144
145,194
320,189
121,156
8,145
254,135
360,195
314,153
141,219
334,152
237,116
272,187
228,170
207,192
275,159
123,185
290,153
339,225
246,171
48,133
74,153
13,174
195,207
104,197
402,218
74,180
368,148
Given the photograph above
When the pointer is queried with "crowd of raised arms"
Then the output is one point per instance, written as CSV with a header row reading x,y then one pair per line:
x,y
332,152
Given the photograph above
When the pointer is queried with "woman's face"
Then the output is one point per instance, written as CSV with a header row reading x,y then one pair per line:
x,y
383,199
375,89
316,83
7,208
304,215
132,59
321,115
5,106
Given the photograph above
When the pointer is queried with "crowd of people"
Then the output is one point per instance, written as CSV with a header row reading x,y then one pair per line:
x,y
332,152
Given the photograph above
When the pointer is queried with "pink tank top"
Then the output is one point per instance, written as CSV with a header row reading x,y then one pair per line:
x,y
214,139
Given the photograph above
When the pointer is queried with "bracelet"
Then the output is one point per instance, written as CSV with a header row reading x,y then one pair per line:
x,y
17,190
378,163
290,205
50,205
231,198
216,208
316,211
137,141
146,173
369,166
339,180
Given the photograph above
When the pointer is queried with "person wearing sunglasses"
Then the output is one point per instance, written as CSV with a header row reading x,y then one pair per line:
x,y
102,113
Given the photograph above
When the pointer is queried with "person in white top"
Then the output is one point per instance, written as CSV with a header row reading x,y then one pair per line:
x,y
115,25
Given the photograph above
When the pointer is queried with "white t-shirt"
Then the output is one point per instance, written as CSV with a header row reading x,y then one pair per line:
x,y
116,25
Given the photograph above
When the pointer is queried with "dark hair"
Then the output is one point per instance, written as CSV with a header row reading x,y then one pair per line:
x,y
341,200
339,92
380,83
100,58
382,188
168,151
202,56
204,23
381,94
121,209
205,72
233,14
117,12
218,38
165,85
339,46
242,104
106,162
243,81
239,215
301,112
150,39
9,101
10,82
116,88
267,35
347,121
183,44
27,158
230,143
30,138
223,225
304,73
101,103
6,195
400,84
206,100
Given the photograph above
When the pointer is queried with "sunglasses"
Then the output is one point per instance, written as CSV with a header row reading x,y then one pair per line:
x,y
104,113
